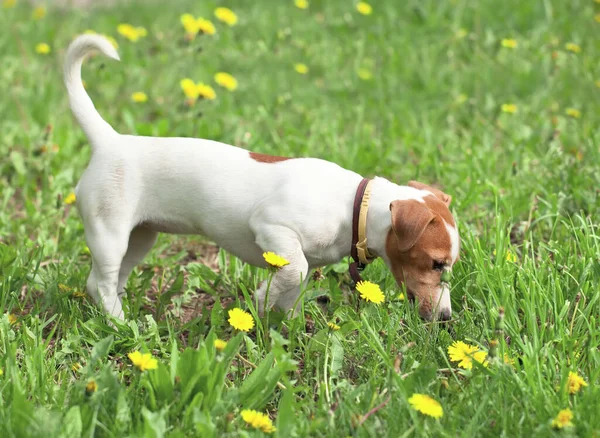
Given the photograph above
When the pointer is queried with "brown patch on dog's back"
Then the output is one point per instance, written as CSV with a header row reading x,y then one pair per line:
x,y
264,158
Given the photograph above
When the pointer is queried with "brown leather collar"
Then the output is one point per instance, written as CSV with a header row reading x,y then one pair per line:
x,y
357,265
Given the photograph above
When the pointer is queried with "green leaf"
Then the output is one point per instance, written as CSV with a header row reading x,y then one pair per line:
x,y
155,425
101,349
286,416
72,425
18,162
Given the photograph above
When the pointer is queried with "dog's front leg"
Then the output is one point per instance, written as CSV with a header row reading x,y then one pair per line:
x,y
284,288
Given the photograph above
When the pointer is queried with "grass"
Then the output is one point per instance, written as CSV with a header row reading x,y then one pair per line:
x,y
524,188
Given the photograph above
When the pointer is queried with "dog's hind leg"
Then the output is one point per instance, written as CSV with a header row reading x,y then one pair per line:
x,y
108,244
141,241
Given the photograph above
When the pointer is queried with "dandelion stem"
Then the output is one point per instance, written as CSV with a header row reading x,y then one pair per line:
x,y
375,409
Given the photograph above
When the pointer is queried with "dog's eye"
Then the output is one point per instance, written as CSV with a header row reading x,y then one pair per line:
x,y
438,265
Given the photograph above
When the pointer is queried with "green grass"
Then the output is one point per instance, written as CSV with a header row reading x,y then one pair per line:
x,y
524,188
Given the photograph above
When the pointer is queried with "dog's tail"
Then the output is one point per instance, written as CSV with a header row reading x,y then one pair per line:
x,y
92,123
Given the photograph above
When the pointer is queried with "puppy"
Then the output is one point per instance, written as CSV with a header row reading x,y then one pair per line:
x,y
303,209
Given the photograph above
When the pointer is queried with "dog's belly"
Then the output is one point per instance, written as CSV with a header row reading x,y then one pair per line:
x,y
170,227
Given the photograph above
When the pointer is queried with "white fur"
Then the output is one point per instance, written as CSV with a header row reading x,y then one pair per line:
x,y
135,187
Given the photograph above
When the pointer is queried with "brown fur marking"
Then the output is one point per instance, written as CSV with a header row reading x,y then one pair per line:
x,y
264,158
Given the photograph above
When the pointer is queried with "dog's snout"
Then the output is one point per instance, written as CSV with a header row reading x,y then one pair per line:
x,y
446,315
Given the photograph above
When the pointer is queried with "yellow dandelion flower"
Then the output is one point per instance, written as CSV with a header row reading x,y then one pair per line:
x,y
240,320
563,419
143,361
9,3
572,47
12,319
226,15
426,405
42,48
206,26
575,382
91,387
509,108
572,112
70,199
130,32
370,292
509,43
189,88
75,367
220,344
364,8
465,354
301,4
189,24
258,420
38,13
400,297
206,91
508,360
225,80
301,68
333,326
139,97
1,371
275,260
364,73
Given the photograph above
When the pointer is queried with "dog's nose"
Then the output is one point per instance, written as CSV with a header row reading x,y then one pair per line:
x,y
446,315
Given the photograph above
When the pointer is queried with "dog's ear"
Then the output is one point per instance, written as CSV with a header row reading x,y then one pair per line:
x,y
446,199
409,219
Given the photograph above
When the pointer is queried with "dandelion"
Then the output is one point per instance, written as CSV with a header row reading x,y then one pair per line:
x,y
225,80
464,354
91,387
220,344
1,371
365,74
38,13
509,108
572,47
75,367
426,405
572,112
143,361
509,43
364,8
563,419
70,199
575,382
226,15
130,32
12,319
301,68
508,360
333,326
240,320
400,297
301,4
258,420
370,292
42,49
189,24
189,88
6,4
275,260
206,91
206,26
139,97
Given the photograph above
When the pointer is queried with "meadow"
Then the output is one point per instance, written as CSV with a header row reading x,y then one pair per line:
x,y
497,103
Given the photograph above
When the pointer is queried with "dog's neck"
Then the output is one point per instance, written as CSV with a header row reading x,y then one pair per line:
x,y
379,219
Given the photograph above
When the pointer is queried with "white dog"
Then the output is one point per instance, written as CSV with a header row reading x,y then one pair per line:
x,y
302,209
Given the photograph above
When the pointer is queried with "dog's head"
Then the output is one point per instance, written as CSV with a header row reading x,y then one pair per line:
x,y
422,244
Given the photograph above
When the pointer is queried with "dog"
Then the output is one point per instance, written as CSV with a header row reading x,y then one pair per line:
x,y
303,209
